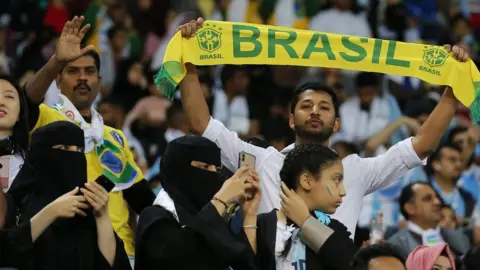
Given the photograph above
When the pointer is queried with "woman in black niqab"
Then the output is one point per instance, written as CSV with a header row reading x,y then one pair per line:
x,y
59,166
185,228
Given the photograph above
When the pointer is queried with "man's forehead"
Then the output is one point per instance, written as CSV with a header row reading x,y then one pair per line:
x,y
316,96
421,188
82,62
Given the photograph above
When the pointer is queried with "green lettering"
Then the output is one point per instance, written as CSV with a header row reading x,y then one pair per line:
x,y
238,40
285,43
311,48
377,49
359,50
392,45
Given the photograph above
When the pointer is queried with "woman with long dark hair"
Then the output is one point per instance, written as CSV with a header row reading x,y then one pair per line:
x,y
14,131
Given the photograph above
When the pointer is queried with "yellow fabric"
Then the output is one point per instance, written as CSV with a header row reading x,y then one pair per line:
x,y
117,206
249,44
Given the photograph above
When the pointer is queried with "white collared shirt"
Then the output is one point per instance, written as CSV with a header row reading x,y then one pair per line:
x,y
362,176
430,237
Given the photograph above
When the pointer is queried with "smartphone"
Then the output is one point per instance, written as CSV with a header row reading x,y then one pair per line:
x,y
4,172
103,181
246,160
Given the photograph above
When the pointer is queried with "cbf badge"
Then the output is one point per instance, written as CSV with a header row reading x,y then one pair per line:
x,y
117,137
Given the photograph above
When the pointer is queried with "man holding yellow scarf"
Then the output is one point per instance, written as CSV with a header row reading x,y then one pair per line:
x,y
314,117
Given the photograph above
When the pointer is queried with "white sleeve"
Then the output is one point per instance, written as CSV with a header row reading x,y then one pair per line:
x,y
380,171
231,146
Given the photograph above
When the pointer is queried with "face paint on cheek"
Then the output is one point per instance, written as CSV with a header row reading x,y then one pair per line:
x,y
329,191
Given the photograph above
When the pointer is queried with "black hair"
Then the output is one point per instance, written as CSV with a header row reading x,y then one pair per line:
x,y
228,72
436,156
407,196
20,135
317,87
455,131
112,101
365,255
367,79
312,158
93,54
459,17
112,31
350,147
257,141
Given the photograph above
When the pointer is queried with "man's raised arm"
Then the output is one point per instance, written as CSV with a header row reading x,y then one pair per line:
x,y
68,49
198,115
193,99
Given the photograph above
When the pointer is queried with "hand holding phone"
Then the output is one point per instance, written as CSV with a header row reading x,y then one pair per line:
x,y
103,181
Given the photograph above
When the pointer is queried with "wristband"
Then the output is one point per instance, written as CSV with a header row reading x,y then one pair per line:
x,y
222,202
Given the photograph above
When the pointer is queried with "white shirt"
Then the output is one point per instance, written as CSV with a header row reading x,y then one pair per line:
x,y
362,176
340,22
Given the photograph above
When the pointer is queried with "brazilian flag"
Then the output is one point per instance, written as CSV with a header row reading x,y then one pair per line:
x,y
115,165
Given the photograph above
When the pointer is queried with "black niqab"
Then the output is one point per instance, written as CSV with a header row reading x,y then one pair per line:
x,y
67,243
190,188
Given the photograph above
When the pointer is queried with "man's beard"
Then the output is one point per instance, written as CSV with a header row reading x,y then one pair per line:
x,y
314,136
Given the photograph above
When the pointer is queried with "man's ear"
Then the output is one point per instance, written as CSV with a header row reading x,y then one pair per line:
x,y
409,208
336,125
291,122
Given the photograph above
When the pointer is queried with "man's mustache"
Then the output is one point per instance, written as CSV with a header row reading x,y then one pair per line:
x,y
82,85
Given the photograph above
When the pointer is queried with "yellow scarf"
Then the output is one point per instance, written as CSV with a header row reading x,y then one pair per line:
x,y
219,43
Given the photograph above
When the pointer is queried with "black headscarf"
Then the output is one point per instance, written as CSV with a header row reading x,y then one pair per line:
x,y
56,172
190,188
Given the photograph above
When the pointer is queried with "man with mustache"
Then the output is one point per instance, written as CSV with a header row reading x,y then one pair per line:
x,y
76,72
314,118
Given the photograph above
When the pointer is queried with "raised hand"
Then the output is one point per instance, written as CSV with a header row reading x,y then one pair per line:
x,y
236,187
68,45
69,204
97,197
458,53
189,29
293,207
250,206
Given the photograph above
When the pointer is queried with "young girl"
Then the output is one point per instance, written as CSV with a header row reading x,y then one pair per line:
x,y
301,235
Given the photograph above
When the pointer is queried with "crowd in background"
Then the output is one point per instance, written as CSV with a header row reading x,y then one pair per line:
x,y
376,111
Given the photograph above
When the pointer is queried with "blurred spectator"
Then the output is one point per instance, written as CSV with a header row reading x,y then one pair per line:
x,y
378,257
448,217
341,20
112,112
444,168
131,83
112,56
155,46
56,15
421,208
230,104
177,122
369,112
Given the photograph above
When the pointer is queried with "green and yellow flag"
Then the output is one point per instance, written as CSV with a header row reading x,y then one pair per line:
x,y
218,43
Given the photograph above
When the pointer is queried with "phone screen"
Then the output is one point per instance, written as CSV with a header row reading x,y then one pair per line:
x,y
4,171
